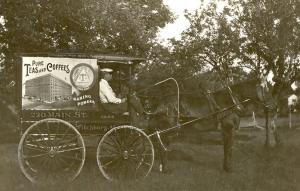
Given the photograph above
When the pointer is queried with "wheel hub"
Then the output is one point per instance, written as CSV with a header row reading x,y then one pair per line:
x,y
52,152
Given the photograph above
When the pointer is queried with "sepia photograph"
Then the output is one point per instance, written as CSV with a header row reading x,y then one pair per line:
x,y
144,95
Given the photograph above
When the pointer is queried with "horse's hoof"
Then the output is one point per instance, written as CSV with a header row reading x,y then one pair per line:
x,y
164,170
160,168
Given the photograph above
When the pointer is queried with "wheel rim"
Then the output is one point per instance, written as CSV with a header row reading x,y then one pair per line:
x,y
51,150
124,153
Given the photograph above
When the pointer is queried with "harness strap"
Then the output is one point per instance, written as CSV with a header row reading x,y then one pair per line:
x,y
214,107
212,102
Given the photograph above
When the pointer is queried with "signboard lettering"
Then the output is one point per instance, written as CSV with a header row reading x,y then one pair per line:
x,y
57,114
59,83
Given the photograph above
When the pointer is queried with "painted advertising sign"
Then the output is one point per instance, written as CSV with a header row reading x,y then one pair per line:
x,y
59,83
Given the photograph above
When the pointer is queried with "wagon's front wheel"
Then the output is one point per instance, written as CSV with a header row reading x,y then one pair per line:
x,y
125,152
51,150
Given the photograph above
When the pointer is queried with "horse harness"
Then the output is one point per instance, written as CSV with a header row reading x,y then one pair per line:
x,y
215,108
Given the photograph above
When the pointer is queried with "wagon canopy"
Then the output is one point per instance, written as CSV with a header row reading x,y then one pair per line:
x,y
100,57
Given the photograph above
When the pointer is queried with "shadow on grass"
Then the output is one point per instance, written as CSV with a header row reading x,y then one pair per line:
x,y
194,165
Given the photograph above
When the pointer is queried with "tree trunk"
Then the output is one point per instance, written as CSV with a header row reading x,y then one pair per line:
x,y
272,134
275,130
267,141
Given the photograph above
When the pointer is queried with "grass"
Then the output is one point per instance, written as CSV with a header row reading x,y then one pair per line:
x,y
195,162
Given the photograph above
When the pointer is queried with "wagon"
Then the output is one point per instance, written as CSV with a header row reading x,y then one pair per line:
x,y
61,111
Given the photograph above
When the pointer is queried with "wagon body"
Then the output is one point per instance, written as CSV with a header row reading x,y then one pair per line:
x,y
60,105
50,89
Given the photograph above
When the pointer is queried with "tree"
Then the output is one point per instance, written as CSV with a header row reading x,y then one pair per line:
x,y
272,33
84,26
261,35
209,43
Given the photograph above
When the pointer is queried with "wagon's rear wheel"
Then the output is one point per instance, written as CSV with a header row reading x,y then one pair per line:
x,y
125,152
51,150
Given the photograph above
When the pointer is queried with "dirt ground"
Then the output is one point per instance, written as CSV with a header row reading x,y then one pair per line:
x,y
195,163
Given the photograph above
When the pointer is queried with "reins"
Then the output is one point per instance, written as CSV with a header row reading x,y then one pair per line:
x,y
200,118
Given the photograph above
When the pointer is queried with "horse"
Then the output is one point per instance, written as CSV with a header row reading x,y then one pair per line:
x,y
196,105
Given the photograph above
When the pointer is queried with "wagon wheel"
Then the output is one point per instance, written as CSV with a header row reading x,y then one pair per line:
x,y
51,150
125,152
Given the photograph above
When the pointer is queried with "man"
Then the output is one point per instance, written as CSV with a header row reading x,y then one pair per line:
x,y
109,99
107,95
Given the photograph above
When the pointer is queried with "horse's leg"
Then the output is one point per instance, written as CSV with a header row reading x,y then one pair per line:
x,y
160,141
162,160
227,132
163,154
160,154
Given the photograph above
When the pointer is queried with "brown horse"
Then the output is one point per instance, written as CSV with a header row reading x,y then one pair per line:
x,y
200,104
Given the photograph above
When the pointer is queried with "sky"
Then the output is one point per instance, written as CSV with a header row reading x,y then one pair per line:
x,y
181,23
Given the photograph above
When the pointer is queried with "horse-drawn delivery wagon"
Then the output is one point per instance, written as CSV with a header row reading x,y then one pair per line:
x,y
61,107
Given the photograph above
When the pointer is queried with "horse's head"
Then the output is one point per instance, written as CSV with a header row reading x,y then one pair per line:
x,y
240,108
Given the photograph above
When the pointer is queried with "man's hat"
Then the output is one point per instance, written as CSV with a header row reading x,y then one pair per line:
x,y
106,70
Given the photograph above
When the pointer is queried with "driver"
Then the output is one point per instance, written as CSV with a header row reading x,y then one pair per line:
x,y
106,93
109,99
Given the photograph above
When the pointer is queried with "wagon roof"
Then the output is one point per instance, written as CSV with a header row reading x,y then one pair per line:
x,y
100,57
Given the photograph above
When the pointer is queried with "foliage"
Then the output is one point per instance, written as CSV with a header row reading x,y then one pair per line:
x,y
261,35
85,26
271,30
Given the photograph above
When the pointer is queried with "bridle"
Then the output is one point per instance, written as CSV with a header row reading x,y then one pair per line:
x,y
230,92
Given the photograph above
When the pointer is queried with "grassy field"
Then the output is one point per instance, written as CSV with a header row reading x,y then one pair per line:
x,y
195,163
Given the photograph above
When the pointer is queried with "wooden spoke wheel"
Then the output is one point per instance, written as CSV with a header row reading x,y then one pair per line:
x,y
125,152
51,150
